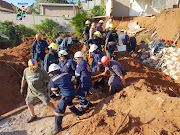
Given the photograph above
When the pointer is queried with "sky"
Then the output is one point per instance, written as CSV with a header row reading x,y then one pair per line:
x,y
19,2
29,2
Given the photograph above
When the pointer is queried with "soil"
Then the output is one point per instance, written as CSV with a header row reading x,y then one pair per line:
x,y
153,107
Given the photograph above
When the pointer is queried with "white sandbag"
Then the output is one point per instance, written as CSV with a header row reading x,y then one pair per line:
x,y
178,50
174,58
170,66
170,49
172,72
174,54
168,62
122,48
175,77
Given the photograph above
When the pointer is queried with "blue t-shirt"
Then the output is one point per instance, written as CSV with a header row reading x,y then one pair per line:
x,y
83,73
69,66
39,47
115,68
99,28
62,82
97,60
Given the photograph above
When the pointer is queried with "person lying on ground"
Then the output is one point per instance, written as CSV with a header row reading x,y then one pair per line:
x,y
66,64
111,41
62,83
83,76
117,72
38,49
36,78
96,65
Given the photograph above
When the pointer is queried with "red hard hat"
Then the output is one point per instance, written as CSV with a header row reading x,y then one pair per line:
x,y
170,41
105,60
161,39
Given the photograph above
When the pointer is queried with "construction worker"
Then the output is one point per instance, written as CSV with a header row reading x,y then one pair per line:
x,y
36,79
111,21
86,30
38,49
98,40
111,41
83,76
117,74
96,66
92,30
133,43
124,40
66,64
61,83
51,57
100,28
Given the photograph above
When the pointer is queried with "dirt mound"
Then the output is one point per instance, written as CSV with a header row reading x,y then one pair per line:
x,y
150,114
10,81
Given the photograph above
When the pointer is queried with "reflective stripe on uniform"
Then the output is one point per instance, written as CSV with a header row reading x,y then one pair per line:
x,y
59,114
77,74
57,77
53,89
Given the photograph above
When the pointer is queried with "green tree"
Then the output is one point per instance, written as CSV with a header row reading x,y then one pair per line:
x,y
49,29
97,11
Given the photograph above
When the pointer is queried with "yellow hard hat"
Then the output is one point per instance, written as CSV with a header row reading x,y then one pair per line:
x,y
32,63
116,29
97,33
87,22
111,27
38,35
53,46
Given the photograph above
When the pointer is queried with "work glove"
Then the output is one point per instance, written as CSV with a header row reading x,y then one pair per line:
x,y
22,91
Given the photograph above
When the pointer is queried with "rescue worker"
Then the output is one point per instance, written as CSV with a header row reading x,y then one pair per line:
x,y
83,76
124,40
111,41
98,40
86,30
51,57
36,79
133,44
111,21
96,66
66,64
38,49
92,30
61,83
117,74
100,28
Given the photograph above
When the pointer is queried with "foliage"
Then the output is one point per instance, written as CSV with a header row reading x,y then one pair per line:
x,y
49,29
15,32
144,37
79,21
97,11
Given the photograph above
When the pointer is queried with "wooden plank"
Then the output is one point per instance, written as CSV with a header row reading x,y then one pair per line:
x,y
15,111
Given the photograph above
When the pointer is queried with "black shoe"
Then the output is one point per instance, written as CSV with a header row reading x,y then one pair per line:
x,y
32,119
54,132
90,105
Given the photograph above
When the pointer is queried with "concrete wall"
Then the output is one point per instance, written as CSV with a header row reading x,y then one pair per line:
x,y
35,19
108,8
58,11
90,4
121,8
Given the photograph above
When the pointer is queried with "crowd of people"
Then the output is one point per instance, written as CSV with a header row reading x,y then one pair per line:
x,y
61,75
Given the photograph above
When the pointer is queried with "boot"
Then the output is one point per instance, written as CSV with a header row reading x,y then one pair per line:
x,y
54,132
76,111
32,119
58,124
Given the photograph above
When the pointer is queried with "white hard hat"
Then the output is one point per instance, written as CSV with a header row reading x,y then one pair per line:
x,y
93,47
122,30
101,21
78,54
62,52
53,67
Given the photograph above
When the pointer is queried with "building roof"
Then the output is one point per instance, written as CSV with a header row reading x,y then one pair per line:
x,y
58,4
5,5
